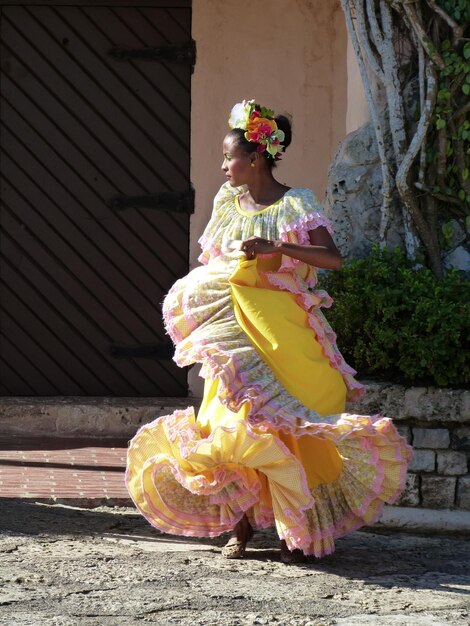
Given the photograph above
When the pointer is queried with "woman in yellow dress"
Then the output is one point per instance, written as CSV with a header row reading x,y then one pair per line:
x,y
271,444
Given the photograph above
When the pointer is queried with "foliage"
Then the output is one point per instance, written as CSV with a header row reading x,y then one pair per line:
x,y
459,10
449,151
400,322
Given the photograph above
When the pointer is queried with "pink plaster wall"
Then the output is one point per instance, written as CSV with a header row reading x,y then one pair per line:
x,y
291,55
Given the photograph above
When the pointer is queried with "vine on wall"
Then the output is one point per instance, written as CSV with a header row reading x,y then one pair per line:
x,y
426,165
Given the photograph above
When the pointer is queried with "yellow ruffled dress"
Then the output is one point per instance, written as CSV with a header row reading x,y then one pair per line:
x,y
271,439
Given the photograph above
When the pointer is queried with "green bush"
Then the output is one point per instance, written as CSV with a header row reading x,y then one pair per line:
x,y
399,323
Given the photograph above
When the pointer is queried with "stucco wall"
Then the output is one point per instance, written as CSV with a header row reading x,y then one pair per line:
x,y
357,110
288,54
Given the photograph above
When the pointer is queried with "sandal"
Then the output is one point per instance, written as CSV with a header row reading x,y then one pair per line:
x,y
290,557
235,548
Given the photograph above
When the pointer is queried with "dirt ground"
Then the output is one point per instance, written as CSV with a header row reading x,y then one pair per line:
x,y
65,566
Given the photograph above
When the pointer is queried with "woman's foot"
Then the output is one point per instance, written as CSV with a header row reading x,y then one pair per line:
x,y
291,556
236,545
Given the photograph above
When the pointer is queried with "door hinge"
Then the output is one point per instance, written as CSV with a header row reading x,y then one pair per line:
x,y
174,201
178,53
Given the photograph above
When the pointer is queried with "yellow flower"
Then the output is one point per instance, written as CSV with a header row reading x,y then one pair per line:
x,y
259,129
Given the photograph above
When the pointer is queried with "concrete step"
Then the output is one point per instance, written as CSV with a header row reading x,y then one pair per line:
x,y
83,416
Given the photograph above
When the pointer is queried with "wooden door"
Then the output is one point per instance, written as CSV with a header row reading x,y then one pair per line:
x,y
87,123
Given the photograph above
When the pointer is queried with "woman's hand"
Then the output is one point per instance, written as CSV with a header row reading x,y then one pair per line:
x,y
257,245
321,253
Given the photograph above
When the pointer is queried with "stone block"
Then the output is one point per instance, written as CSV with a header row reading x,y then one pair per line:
x,y
410,495
405,432
457,234
462,439
435,404
463,493
378,400
445,405
431,438
428,404
465,406
438,492
415,398
423,461
451,463
458,258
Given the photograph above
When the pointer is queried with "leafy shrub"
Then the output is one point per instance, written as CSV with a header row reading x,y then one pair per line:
x,y
397,322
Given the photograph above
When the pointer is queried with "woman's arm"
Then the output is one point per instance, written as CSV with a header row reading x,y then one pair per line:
x,y
322,251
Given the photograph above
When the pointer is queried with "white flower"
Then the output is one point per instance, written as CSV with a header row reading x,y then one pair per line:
x,y
240,114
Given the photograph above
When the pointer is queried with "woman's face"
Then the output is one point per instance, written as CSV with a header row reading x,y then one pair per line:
x,y
236,164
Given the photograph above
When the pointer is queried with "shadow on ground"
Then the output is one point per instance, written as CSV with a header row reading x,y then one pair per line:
x,y
379,559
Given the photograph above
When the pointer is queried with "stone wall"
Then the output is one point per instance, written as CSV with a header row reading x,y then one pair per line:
x,y
436,422
354,198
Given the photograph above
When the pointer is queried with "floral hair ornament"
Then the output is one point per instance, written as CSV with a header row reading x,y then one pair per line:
x,y
259,126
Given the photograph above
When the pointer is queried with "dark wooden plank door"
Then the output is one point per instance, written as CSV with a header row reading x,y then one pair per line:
x,y
79,128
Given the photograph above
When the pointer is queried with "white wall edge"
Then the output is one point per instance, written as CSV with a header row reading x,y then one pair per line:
x,y
438,520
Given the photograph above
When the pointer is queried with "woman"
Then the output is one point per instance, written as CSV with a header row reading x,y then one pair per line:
x,y
271,444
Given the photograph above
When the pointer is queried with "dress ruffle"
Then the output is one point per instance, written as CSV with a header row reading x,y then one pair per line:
x,y
203,299
187,484
190,483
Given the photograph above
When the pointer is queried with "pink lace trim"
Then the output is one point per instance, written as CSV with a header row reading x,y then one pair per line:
x,y
171,323
209,251
302,224
321,541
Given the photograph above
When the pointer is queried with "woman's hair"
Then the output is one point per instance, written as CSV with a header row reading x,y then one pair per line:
x,y
238,136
